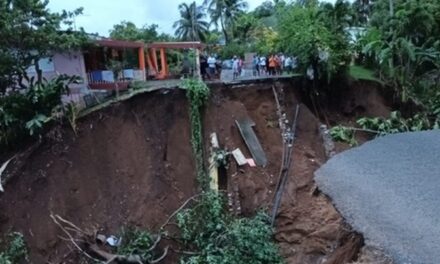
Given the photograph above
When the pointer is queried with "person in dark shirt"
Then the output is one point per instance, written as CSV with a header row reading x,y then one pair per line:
x,y
203,66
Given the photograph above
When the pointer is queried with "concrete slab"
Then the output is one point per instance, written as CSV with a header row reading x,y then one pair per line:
x,y
245,126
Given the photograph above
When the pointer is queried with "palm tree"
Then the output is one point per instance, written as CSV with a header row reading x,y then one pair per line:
x,y
225,12
339,15
191,25
362,11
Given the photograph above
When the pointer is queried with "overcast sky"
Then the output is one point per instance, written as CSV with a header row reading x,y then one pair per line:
x,y
100,15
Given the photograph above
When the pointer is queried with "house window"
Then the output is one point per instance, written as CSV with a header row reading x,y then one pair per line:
x,y
46,65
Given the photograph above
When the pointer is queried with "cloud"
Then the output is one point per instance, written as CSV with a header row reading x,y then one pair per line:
x,y
100,15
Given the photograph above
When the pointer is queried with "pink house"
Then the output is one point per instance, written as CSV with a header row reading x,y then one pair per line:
x,y
92,65
70,63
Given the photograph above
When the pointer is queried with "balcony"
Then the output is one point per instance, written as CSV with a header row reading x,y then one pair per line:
x,y
105,79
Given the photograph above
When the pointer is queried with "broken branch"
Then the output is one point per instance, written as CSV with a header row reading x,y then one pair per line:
x,y
72,240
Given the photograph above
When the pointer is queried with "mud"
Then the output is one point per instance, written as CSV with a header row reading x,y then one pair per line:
x,y
132,165
308,228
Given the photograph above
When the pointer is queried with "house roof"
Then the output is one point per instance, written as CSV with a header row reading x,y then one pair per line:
x,y
104,42
176,45
119,43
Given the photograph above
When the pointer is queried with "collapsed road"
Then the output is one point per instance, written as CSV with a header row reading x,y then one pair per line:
x,y
388,189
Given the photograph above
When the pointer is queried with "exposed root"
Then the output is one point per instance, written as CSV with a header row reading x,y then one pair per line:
x,y
56,219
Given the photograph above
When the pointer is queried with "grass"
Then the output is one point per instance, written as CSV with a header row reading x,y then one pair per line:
x,y
361,73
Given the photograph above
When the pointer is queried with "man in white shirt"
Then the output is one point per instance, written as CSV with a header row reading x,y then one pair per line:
x,y
288,65
282,60
211,66
263,68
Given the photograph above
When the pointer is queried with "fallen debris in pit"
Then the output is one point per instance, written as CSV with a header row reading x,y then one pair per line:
x,y
251,162
218,164
206,232
329,145
245,127
2,169
213,163
113,241
288,138
85,242
239,157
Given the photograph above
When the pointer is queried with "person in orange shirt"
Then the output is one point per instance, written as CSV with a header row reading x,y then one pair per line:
x,y
272,65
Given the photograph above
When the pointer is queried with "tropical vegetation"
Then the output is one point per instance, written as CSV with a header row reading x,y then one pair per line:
x,y
395,43
14,249
28,33
191,26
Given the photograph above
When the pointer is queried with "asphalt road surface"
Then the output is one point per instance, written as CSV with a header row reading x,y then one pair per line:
x,y
389,190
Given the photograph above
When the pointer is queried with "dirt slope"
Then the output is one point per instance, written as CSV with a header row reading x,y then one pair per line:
x,y
130,165
309,229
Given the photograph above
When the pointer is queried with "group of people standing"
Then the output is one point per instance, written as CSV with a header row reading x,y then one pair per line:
x,y
275,64
210,67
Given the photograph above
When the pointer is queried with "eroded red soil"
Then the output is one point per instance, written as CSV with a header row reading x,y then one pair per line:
x,y
132,165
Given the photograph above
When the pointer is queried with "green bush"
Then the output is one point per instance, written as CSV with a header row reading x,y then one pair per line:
x,y
219,238
307,34
136,242
15,250
233,49
24,113
382,126
198,94
396,123
343,134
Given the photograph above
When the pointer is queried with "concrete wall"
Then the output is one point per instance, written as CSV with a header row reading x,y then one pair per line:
x,y
70,63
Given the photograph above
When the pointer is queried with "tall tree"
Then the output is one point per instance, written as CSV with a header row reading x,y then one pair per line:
x,y
337,16
266,9
225,13
29,32
245,27
407,48
128,31
362,11
191,25
306,33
